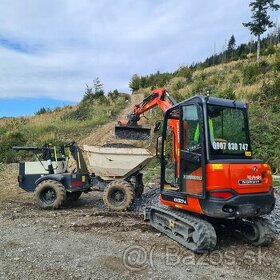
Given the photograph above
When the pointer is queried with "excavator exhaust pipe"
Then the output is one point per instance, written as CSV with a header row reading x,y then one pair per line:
x,y
132,132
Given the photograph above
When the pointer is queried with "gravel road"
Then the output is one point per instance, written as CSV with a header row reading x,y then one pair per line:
x,y
85,241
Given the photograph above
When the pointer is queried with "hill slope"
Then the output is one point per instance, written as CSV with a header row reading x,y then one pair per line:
x,y
70,123
91,122
258,85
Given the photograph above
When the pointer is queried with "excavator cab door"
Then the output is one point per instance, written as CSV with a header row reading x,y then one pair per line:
x,y
192,150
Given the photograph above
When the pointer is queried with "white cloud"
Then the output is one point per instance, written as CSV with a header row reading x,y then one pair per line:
x,y
67,43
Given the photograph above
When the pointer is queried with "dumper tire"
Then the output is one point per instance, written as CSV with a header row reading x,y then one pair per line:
x,y
118,195
73,196
137,182
49,195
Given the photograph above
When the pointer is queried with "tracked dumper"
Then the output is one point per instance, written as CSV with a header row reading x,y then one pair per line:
x,y
209,178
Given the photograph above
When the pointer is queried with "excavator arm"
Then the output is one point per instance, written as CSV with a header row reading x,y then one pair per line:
x,y
130,129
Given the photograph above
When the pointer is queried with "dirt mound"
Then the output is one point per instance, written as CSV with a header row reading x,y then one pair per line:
x,y
104,134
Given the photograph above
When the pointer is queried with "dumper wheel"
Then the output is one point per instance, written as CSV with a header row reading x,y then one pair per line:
x,y
118,195
49,194
73,196
137,182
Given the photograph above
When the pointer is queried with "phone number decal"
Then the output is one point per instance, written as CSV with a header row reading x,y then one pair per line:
x,y
230,146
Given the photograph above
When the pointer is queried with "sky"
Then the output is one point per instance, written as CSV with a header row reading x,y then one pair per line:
x,y
50,50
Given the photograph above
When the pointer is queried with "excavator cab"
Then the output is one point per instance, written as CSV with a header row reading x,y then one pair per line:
x,y
207,150
207,169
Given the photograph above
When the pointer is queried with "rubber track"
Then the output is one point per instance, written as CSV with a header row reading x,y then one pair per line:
x,y
265,230
204,231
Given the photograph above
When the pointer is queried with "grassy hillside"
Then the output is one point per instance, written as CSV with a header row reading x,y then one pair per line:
x,y
259,85
70,123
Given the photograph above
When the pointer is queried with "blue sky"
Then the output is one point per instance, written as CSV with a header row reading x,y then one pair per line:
x,y
28,106
51,49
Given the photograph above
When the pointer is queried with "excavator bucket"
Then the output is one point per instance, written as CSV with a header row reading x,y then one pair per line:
x,y
132,132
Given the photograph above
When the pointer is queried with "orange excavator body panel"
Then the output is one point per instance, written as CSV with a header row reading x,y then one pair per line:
x,y
242,179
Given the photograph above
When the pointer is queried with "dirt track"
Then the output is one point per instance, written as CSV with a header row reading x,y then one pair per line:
x,y
104,134
84,241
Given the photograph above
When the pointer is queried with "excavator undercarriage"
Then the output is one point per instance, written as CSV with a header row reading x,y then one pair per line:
x,y
199,234
190,231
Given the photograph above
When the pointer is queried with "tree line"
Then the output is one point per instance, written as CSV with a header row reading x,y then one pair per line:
x,y
260,22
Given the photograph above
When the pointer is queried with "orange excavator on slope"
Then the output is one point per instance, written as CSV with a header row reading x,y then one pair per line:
x,y
131,129
208,176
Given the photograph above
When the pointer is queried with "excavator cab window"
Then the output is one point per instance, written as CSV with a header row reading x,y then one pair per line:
x,y
230,132
191,163
170,159
191,129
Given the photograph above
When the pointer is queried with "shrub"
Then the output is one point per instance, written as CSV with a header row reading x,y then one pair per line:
x,y
198,86
134,83
265,122
235,79
42,110
176,84
276,63
269,50
184,72
250,73
227,93
10,139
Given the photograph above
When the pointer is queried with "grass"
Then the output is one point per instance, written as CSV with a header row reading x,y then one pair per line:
x,y
56,127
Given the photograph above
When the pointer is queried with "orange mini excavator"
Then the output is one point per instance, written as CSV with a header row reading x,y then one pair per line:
x,y
208,176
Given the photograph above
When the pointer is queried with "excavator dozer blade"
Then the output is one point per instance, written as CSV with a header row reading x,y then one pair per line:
x,y
132,132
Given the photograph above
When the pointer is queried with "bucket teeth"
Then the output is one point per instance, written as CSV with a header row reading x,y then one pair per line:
x,y
133,133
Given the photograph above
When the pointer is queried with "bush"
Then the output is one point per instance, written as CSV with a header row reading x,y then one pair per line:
x,y
3,130
276,63
113,95
42,110
184,72
265,122
198,86
134,83
10,139
269,50
235,79
250,73
227,93
176,84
